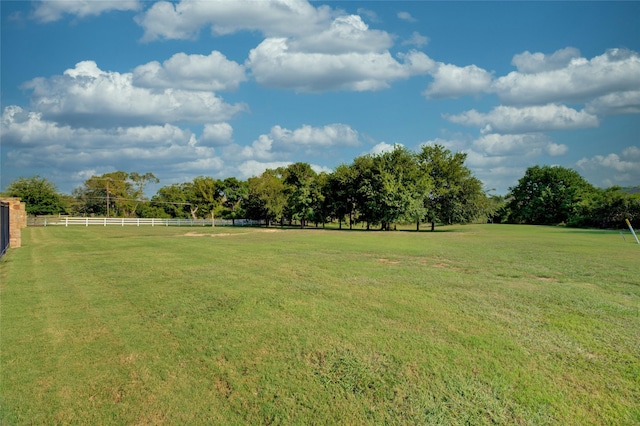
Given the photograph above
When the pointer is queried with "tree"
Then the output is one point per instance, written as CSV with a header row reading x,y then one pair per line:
x,y
455,194
547,195
299,181
139,183
39,194
606,208
266,198
112,194
208,195
172,199
403,187
340,194
234,192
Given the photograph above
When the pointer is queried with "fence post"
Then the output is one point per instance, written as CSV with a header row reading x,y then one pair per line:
x,y
152,222
138,221
105,221
123,221
86,221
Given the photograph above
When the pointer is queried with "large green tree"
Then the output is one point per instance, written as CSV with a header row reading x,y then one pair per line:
x,y
299,180
39,194
547,195
234,191
208,196
266,199
340,194
115,194
454,195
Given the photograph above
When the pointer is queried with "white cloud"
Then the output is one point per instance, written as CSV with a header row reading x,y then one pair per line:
x,y
282,143
31,141
184,19
217,134
454,81
406,16
213,72
273,64
617,70
321,137
530,63
87,96
382,147
618,163
507,119
53,10
345,34
613,169
417,40
615,103
533,144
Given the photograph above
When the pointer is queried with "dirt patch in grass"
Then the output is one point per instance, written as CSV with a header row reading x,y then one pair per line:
x,y
389,261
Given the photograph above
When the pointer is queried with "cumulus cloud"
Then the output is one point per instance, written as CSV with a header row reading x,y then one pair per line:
x,y
580,80
613,169
183,20
217,134
507,119
273,64
87,96
615,103
212,72
533,144
531,63
31,141
53,10
345,34
453,81
326,136
307,49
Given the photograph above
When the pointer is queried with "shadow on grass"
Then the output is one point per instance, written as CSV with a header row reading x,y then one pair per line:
x,y
359,229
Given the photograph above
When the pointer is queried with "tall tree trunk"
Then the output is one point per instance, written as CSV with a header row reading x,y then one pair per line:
x,y
433,226
417,225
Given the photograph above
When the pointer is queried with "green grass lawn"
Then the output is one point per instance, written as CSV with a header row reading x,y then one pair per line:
x,y
490,324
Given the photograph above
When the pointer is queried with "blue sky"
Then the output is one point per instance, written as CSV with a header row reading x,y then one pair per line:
x,y
230,88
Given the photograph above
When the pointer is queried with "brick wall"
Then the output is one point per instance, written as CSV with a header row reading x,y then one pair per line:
x,y
17,220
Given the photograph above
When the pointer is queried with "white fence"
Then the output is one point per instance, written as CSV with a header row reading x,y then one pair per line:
x,y
121,221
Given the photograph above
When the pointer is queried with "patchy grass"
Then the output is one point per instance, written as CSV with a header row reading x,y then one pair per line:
x,y
489,324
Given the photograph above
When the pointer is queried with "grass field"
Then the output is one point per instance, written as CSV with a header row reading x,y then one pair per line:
x,y
483,324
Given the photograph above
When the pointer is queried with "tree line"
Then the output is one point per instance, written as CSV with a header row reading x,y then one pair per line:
x,y
431,186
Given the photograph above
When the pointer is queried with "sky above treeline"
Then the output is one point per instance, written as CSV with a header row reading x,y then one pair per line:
x,y
230,88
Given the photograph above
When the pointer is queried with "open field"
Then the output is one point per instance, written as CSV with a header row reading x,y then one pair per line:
x,y
489,324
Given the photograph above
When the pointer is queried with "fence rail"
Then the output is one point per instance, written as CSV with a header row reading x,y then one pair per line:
x,y
123,221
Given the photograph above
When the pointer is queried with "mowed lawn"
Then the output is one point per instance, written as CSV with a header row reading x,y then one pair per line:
x,y
482,324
